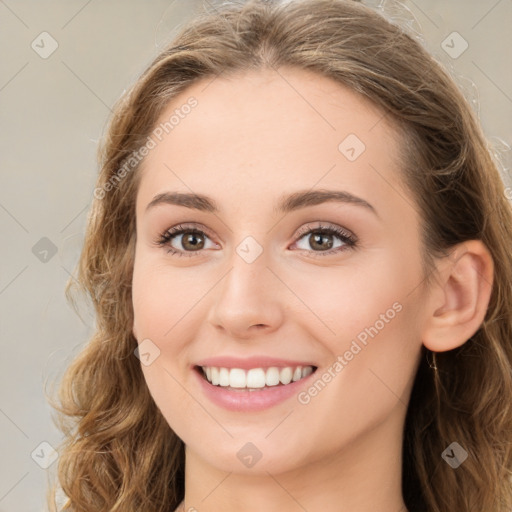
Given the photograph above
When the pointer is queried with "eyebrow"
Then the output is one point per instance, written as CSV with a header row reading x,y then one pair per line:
x,y
286,204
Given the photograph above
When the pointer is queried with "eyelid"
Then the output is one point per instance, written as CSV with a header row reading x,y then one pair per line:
x,y
326,226
191,226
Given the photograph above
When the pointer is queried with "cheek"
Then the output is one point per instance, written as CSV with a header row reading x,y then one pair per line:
x,y
161,296
166,304
338,303
367,315
371,316
162,303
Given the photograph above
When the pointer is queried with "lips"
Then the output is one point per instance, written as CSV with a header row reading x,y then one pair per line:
x,y
252,383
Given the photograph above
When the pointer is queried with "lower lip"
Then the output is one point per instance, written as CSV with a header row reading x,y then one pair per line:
x,y
246,400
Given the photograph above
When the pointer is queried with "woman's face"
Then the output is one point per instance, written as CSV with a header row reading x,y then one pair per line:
x,y
258,287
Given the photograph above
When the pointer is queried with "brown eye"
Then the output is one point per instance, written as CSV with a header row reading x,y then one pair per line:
x,y
322,240
183,241
192,241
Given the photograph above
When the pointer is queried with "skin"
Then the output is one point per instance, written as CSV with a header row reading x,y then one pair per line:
x,y
252,138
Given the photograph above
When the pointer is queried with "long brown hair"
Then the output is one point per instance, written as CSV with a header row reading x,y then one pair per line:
x,y
119,453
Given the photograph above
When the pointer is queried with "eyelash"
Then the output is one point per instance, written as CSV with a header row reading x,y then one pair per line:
x,y
346,237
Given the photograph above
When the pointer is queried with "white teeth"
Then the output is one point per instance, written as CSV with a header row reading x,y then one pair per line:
x,y
237,378
272,376
255,378
285,375
223,377
306,371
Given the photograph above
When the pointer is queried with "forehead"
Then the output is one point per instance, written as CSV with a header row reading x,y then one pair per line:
x,y
270,131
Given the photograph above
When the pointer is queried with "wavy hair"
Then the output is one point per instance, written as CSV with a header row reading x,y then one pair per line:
x,y
118,452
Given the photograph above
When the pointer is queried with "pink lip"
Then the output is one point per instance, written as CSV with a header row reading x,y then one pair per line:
x,y
248,401
251,362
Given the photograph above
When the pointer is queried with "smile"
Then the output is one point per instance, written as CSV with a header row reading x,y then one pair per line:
x,y
254,378
253,388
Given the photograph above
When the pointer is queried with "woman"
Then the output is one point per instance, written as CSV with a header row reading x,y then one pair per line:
x,y
299,257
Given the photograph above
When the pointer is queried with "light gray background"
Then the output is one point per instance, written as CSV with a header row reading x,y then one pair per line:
x,y
53,112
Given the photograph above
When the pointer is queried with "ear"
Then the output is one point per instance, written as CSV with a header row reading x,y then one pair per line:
x,y
458,303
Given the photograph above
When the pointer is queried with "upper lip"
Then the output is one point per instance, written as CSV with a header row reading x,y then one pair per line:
x,y
251,362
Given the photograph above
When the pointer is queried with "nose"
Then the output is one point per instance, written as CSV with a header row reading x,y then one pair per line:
x,y
248,300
